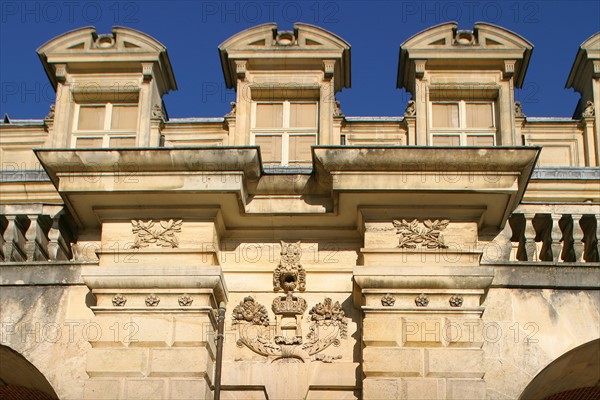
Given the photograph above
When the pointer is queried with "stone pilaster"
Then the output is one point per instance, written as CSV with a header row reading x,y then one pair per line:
x,y
422,327
156,290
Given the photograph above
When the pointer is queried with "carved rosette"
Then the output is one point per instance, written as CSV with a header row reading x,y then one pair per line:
x,y
185,300
422,300
161,233
456,301
426,235
388,300
119,300
152,300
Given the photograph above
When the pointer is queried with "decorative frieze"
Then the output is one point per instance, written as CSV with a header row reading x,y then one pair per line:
x,y
425,235
161,233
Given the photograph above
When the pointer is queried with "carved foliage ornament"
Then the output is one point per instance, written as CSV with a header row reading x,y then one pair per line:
x,y
161,233
250,311
425,235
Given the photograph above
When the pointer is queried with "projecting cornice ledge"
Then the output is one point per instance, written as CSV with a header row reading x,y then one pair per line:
x,y
492,178
162,177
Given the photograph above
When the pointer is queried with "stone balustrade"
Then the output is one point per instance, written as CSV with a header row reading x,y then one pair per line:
x,y
29,233
553,235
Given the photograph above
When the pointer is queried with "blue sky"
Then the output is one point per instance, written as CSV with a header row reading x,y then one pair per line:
x,y
192,31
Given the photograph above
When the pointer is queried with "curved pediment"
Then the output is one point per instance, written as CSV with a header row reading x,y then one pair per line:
x,y
581,71
483,36
87,40
85,45
304,36
267,42
446,41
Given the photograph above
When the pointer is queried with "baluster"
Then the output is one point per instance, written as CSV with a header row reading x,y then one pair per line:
x,y
556,236
577,237
57,247
597,255
14,239
3,226
530,246
33,233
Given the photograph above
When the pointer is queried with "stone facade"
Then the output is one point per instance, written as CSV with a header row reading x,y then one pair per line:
x,y
450,253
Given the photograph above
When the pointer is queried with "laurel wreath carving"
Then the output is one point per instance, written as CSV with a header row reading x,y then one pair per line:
x,y
161,234
425,235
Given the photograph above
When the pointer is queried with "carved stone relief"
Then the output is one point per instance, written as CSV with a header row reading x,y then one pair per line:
x,y
422,300
161,234
152,300
388,300
588,111
328,323
185,300
424,235
456,301
119,300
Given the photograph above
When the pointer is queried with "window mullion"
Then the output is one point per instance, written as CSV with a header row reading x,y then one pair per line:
x,y
108,117
285,148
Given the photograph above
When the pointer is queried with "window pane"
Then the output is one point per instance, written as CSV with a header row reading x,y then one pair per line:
x,y
444,115
479,115
303,115
85,143
91,118
300,147
270,148
480,140
446,140
269,115
122,142
124,118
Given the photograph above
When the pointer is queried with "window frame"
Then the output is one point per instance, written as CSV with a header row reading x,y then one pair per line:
x,y
106,133
462,131
285,131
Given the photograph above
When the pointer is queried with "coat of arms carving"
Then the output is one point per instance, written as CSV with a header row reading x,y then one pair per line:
x,y
328,323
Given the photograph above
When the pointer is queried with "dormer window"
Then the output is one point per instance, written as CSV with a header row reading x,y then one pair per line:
x,y
462,123
285,130
105,125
